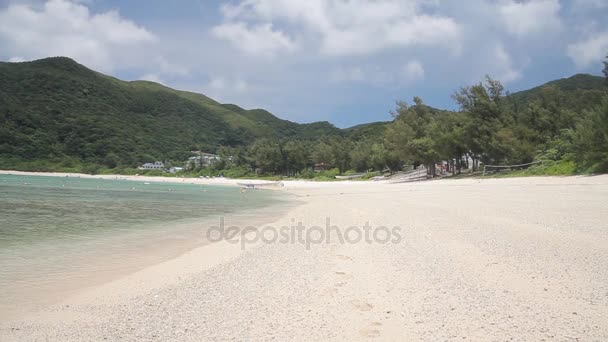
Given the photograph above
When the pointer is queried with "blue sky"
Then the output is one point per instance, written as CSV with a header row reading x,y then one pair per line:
x,y
346,62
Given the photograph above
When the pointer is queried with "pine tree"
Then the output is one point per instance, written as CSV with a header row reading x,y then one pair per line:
x,y
606,69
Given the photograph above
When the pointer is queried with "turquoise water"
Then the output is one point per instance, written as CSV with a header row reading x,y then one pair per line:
x,y
61,233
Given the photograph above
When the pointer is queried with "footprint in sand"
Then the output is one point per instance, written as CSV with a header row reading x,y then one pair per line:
x,y
361,305
371,330
343,275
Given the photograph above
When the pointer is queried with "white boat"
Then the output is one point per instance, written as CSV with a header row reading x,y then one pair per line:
x,y
359,175
252,185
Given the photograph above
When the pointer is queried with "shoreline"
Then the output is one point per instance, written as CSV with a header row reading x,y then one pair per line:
x,y
309,184
185,180
478,259
148,250
141,249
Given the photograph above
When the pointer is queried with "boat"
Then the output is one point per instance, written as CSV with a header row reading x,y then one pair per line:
x,y
255,185
359,175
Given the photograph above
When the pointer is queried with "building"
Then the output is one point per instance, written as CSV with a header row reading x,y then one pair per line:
x,y
175,169
201,159
152,166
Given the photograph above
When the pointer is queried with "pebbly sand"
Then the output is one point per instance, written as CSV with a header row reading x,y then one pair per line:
x,y
483,260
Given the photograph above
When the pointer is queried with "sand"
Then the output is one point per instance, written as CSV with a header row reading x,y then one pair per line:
x,y
185,180
484,260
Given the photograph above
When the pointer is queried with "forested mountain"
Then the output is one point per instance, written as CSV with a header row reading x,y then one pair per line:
x,y
578,92
56,109
56,114
563,124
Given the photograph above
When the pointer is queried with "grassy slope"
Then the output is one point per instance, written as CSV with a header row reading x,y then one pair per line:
x,y
57,109
577,92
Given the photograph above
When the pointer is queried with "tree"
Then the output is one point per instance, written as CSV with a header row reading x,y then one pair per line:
x,y
398,136
409,137
322,153
341,148
232,156
267,155
591,139
483,105
361,156
334,151
605,71
448,131
383,157
297,156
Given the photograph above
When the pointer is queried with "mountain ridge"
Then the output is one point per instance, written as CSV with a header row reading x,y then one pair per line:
x,y
56,109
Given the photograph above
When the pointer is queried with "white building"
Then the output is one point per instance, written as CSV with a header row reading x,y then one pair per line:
x,y
202,159
175,169
152,166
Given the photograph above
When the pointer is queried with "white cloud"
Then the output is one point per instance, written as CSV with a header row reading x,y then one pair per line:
x,y
590,50
259,40
169,68
413,71
64,28
522,18
495,61
342,28
379,76
152,78
226,88
17,59
241,86
217,83
353,74
504,69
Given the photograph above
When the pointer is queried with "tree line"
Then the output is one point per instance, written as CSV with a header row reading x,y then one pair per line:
x,y
56,115
492,127
298,158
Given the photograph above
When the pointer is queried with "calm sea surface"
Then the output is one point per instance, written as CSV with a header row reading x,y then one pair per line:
x,y
58,234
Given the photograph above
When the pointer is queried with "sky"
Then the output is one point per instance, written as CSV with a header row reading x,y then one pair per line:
x,y
342,61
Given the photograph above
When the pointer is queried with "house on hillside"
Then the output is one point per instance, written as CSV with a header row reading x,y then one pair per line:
x,y
201,159
152,166
175,169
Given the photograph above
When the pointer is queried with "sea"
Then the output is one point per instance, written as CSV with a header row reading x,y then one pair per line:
x,y
62,234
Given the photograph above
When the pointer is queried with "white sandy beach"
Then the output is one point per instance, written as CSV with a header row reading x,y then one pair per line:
x,y
483,260
201,181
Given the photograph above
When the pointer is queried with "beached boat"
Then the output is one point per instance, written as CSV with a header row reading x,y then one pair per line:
x,y
359,175
254,185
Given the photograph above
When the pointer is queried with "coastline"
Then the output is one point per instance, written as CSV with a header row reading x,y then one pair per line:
x,y
114,252
477,259
184,180
202,181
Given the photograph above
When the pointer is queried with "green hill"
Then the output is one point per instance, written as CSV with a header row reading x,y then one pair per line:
x,y
372,130
57,114
57,110
576,93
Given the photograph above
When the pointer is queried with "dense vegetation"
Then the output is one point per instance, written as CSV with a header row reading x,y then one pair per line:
x,y
564,122
58,115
